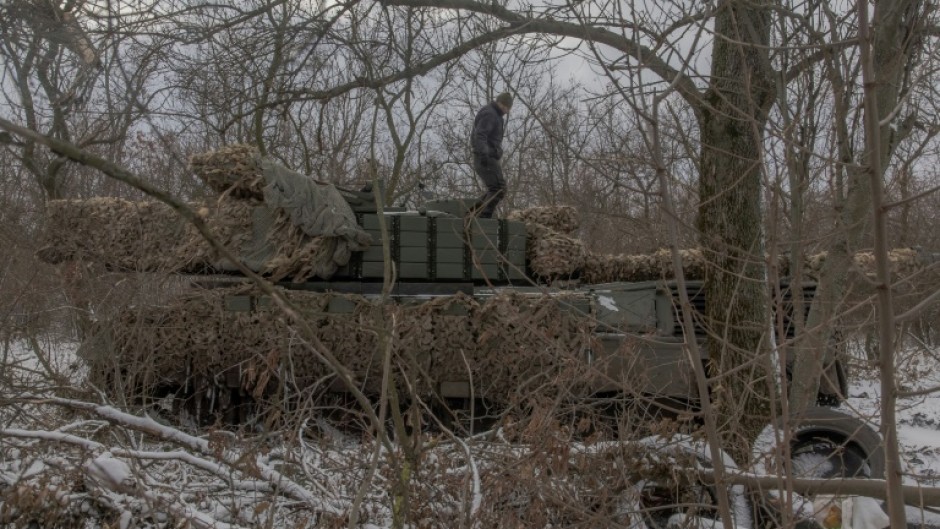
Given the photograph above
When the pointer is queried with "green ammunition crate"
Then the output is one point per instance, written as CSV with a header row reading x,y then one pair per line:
x,y
514,228
456,207
486,256
449,255
451,271
449,240
347,270
412,223
578,307
413,271
449,233
413,255
516,242
484,233
412,239
485,244
372,270
515,256
374,253
377,237
485,271
512,272
485,227
370,221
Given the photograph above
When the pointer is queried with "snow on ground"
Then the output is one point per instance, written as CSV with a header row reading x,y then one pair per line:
x,y
918,415
204,478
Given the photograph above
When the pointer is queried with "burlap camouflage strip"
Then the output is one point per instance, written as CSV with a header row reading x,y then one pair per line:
x,y
148,236
508,345
562,219
646,267
233,170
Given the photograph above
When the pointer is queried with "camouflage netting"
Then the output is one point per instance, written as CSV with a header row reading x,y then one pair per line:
x,y
276,221
601,268
120,233
508,345
552,254
233,170
551,251
563,219
647,267
903,262
149,236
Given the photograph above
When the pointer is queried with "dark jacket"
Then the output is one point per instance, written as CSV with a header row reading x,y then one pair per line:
x,y
486,140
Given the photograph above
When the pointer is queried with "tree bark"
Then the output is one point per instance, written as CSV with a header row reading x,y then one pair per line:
x,y
893,39
730,219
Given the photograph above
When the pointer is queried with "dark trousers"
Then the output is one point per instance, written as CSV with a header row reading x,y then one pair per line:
x,y
491,173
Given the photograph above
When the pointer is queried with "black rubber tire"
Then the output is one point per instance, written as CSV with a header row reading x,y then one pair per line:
x,y
841,431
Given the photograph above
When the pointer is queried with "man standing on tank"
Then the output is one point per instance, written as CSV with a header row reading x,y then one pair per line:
x,y
486,141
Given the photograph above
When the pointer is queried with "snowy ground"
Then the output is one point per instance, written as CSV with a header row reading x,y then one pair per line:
x,y
918,415
116,477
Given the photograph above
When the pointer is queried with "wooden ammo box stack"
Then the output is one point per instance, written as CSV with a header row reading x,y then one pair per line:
x,y
436,246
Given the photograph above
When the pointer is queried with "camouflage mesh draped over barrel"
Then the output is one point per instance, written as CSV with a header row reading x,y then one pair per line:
x,y
600,268
551,250
562,219
149,236
234,170
508,345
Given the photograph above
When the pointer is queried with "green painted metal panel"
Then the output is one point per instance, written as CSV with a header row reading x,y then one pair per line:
x,y
451,271
264,303
456,207
481,242
516,242
373,253
515,228
413,254
485,256
449,255
238,303
449,233
413,239
413,223
485,271
413,271
514,272
373,270
515,257
377,237
488,227
451,226
577,306
449,240
371,222
341,306
344,271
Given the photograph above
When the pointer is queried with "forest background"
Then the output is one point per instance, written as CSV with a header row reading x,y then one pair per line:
x,y
750,129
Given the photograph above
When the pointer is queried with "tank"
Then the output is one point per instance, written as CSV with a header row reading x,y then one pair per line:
x,y
474,324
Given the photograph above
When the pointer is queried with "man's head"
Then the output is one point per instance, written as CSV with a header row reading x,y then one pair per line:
x,y
504,101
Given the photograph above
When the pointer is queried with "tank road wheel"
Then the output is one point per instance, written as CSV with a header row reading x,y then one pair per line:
x,y
824,443
828,443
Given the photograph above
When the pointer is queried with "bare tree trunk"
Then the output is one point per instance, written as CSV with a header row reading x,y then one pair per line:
x,y
893,41
876,153
730,219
